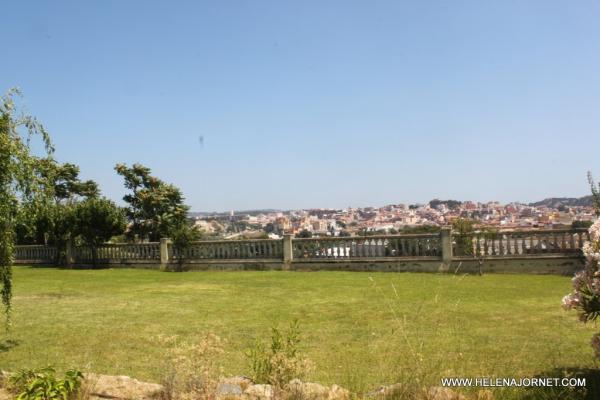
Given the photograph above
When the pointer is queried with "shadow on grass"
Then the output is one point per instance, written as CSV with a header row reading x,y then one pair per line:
x,y
7,344
591,391
60,266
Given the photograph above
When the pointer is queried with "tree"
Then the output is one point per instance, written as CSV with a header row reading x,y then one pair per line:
x,y
156,208
183,237
97,220
451,204
595,193
270,228
49,219
464,229
581,224
304,234
18,181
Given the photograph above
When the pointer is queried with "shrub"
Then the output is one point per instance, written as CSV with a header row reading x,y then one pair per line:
x,y
585,297
190,369
281,362
183,237
42,384
464,229
98,219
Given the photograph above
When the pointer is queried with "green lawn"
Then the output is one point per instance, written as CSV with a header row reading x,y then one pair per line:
x,y
360,329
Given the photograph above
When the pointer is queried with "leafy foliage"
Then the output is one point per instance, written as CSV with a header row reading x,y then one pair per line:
x,y
595,193
97,220
280,363
156,208
585,297
451,204
304,234
182,238
581,224
42,384
189,368
18,181
464,229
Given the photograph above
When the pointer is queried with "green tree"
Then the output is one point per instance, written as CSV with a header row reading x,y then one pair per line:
x,y
420,229
49,219
304,234
581,224
270,228
183,237
18,181
595,193
464,229
97,220
156,208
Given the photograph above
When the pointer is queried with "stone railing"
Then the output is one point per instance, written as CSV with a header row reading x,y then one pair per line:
x,y
368,246
231,250
518,243
36,254
123,252
554,251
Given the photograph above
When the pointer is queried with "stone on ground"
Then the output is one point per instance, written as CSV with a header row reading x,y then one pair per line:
x,y
120,388
259,392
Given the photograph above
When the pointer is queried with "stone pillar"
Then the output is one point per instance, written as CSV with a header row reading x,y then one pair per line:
x,y
446,239
69,256
165,243
288,252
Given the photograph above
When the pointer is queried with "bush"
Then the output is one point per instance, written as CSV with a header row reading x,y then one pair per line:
x,y
585,297
183,237
464,229
280,363
190,369
42,384
97,220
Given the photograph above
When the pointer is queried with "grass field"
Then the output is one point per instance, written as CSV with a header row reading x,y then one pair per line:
x,y
361,330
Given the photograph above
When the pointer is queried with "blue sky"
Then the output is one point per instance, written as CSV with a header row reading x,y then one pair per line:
x,y
317,103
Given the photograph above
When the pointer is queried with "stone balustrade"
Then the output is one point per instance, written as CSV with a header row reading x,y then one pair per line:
x,y
394,246
35,254
554,251
231,250
517,243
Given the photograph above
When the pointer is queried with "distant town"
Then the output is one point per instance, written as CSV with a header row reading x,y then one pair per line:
x,y
553,213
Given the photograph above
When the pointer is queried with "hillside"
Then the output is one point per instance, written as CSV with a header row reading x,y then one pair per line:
x,y
554,202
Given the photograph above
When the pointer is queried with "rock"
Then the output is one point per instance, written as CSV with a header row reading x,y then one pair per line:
x,y
338,393
315,391
384,392
232,388
227,389
442,393
120,387
4,375
306,390
259,392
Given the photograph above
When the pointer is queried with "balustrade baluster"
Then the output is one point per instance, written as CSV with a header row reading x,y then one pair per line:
x,y
485,245
531,243
395,246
